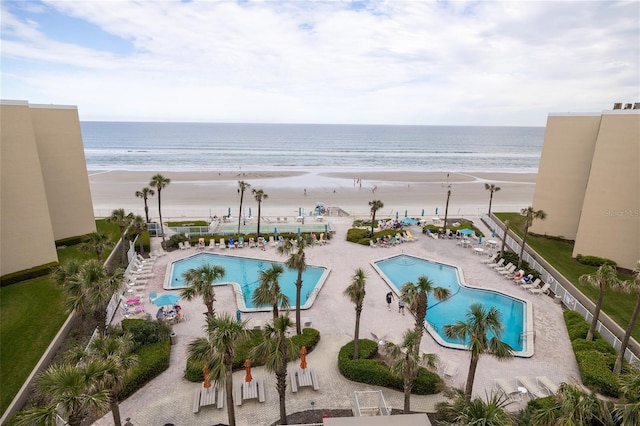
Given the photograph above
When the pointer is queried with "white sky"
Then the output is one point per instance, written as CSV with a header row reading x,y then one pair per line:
x,y
378,62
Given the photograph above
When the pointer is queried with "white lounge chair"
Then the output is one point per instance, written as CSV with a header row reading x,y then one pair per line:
x,y
538,291
212,244
449,369
490,260
535,284
547,384
509,390
508,271
181,246
530,386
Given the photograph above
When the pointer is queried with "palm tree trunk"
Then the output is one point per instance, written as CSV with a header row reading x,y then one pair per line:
x,y
75,419
421,313
356,333
298,297
231,413
408,385
504,239
146,210
596,314
627,334
115,411
210,311
123,238
240,211
141,245
446,212
490,201
281,385
258,233
524,241
373,222
160,215
275,311
468,389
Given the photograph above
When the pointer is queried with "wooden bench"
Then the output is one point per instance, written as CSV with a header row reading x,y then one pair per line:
x,y
314,380
261,394
207,396
196,401
250,390
294,383
221,397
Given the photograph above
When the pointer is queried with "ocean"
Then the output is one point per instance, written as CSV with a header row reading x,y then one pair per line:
x,y
218,146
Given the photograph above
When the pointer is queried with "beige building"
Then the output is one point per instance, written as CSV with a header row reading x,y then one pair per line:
x,y
45,193
589,183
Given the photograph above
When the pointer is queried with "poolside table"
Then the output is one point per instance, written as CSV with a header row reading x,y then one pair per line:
x,y
478,250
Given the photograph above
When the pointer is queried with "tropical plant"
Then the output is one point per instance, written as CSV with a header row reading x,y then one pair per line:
x,y
446,209
217,350
138,226
356,293
242,186
160,182
268,292
259,196
572,406
297,261
628,413
276,350
200,284
73,391
94,287
458,411
116,353
631,286
491,188
375,206
145,193
405,362
123,220
96,242
481,331
605,276
416,296
529,216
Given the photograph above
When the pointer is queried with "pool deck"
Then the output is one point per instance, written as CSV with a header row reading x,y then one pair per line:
x,y
169,397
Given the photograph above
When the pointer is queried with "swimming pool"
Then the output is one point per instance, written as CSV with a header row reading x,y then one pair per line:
x,y
516,314
243,273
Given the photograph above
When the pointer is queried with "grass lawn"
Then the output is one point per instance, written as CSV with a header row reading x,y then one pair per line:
x,y
31,313
617,305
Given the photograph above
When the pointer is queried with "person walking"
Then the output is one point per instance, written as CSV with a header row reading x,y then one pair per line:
x,y
401,306
389,299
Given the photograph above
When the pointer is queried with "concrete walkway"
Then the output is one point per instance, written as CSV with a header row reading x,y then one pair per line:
x,y
169,397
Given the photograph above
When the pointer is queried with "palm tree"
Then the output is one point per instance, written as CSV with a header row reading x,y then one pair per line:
x,y
475,412
138,226
259,196
73,391
406,361
356,292
628,413
63,275
123,220
296,261
217,351
268,292
96,242
491,188
200,284
605,276
160,182
530,215
572,406
375,206
145,193
242,186
632,286
479,324
504,239
276,349
115,351
446,210
416,296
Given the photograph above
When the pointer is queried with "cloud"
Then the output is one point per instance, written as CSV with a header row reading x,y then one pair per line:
x,y
490,63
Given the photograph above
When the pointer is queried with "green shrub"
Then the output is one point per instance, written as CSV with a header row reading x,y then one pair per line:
x,y
70,241
27,274
309,338
354,235
595,261
375,372
153,359
577,327
173,241
145,332
601,346
596,370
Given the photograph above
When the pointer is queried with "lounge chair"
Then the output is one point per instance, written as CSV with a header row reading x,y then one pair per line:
x,y
231,243
507,271
272,241
222,243
187,244
516,276
212,244
372,244
240,242
449,369
497,264
410,235
153,296
538,291
181,245
547,384
535,284
201,244
508,389
323,240
530,386
490,260
503,267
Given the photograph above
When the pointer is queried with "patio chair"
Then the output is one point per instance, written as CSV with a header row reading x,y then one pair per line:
x,y
508,271
212,244
547,384
535,284
508,389
490,260
538,291
530,386
497,264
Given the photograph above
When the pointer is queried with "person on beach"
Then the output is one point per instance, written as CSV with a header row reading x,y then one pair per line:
x,y
389,299
401,306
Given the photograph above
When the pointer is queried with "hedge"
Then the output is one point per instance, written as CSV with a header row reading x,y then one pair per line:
x,y
596,370
363,236
577,326
153,359
602,346
595,261
145,332
27,274
309,338
374,372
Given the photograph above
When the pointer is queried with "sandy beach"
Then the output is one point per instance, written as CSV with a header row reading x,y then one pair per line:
x,y
207,193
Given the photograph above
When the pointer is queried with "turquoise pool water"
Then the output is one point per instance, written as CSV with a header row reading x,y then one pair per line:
x,y
245,272
403,268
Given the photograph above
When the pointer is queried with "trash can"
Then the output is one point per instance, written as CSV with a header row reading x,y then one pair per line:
x,y
174,338
557,300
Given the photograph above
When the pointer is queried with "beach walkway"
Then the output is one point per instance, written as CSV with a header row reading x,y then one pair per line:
x,y
169,397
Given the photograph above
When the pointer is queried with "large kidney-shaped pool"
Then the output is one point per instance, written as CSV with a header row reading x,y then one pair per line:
x,y
243,273
517,316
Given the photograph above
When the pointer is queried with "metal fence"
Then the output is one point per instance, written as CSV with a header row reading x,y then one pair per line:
x,y
564,290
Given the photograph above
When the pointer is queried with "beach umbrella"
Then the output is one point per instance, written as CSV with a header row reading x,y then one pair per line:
x,y
396,215
465,231
480,239
436,211
422,213
229,212
303,357
326,228
238,315
493,233
405,213
275,232
166,299
299,211
249,211
298,231
207,377
247,367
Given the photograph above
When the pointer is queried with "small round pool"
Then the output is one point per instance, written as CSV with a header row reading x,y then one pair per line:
x,y
244,274
516,314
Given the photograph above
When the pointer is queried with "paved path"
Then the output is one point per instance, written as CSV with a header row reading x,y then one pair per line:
x,y
169,397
